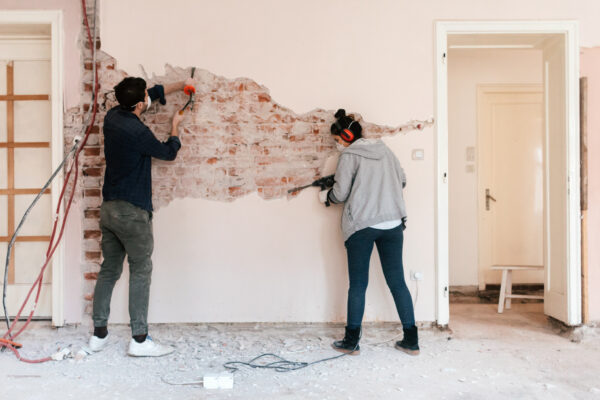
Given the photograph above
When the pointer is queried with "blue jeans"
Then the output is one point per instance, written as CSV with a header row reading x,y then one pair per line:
x,y
389,245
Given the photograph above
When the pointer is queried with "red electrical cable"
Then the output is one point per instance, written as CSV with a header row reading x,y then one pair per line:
x,y
53,246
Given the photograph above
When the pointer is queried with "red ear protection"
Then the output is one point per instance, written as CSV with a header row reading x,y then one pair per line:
x,y
347,135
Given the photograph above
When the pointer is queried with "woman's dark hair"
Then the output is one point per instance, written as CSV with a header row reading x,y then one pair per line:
x,y
130,91
343,122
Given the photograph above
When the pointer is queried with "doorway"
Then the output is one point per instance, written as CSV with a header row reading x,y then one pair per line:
x,y
553,187
31,146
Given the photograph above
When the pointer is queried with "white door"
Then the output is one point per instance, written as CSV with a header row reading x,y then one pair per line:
x,y
561,225
510,180
25,165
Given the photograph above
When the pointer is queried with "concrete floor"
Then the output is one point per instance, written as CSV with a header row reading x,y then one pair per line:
x,y
515,355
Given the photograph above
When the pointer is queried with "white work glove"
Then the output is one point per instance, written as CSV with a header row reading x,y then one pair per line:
x,y
323,196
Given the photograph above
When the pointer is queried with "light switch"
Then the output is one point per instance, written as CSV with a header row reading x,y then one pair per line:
x,y
418,154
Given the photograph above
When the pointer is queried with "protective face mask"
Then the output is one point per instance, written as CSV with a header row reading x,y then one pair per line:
x,y
148,103
340,147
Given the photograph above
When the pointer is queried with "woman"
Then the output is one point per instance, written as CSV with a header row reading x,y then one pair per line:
x,y
369,181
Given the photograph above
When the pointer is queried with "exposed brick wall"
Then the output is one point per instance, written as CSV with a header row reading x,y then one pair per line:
x,y
237,140
91,159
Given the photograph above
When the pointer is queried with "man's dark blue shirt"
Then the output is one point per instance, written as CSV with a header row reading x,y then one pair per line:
x,y
129,146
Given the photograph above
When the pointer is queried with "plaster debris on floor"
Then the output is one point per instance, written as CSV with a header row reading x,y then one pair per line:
x,y
518,354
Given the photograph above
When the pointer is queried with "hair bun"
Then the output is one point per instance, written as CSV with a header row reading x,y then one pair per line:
x,y
340,113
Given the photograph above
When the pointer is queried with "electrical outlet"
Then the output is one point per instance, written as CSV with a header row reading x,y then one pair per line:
x,y
416,276
418,154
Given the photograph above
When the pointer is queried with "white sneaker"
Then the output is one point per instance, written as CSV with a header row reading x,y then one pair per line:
x,y
97,344
148,348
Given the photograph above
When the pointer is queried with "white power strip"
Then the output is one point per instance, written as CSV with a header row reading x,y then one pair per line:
x,y
223,380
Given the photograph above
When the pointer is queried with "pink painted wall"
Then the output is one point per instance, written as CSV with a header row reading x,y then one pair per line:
x,y
590,68
382,67
72,22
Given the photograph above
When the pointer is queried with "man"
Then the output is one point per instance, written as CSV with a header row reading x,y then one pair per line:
x,y
126,211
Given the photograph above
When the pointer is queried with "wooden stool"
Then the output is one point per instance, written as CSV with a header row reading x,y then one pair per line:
x,y
506,286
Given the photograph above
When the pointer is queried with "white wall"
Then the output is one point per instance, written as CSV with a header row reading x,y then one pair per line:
x,y
468,68
373,57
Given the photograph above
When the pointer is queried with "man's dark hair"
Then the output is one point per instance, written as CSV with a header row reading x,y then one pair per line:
x,y
130,91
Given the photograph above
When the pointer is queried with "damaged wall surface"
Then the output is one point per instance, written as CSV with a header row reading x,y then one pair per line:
x,y
237,139
382,69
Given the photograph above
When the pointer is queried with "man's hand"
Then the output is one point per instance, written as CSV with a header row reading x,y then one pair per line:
x,y
177,86
177,118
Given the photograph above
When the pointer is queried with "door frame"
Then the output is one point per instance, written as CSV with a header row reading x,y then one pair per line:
x,y
570,30
54,18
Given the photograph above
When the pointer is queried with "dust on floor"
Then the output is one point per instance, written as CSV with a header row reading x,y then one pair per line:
x,y
514,355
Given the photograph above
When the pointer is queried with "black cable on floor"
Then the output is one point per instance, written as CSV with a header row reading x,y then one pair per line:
x,y
279,365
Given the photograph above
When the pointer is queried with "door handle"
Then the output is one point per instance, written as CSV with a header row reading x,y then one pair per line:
x,y
488,197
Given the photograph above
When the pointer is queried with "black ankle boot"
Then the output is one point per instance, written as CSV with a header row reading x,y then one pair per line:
x,y
350,342
410,343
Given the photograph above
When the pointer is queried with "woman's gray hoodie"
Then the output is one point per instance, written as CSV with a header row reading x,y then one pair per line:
x,y
369,180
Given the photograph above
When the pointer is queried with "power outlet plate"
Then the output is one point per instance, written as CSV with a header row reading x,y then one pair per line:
x,y
418,154
416,276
